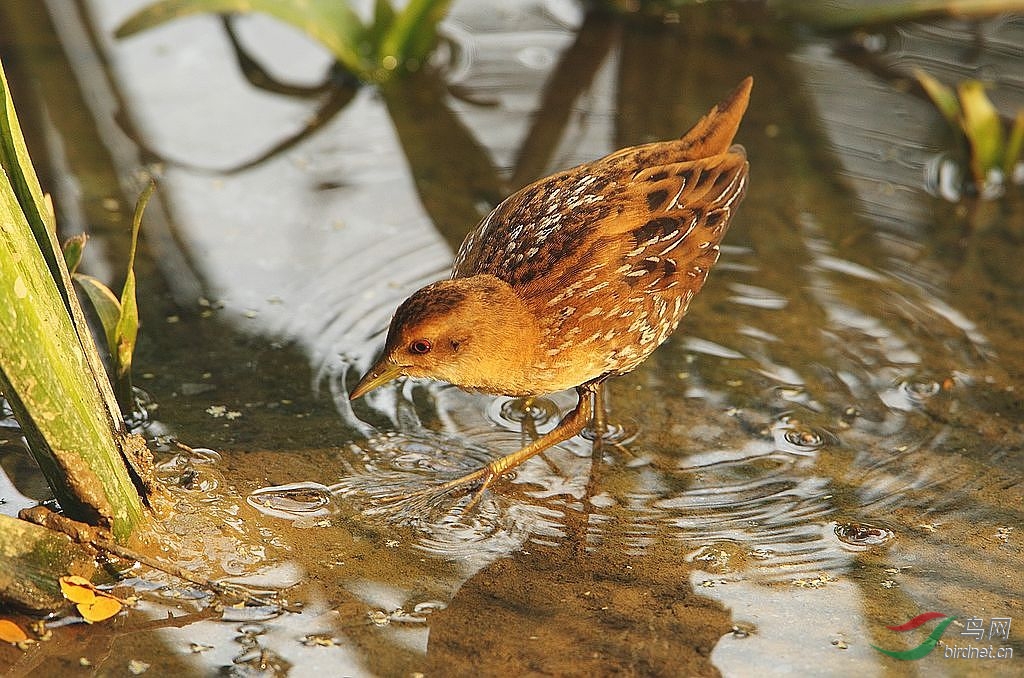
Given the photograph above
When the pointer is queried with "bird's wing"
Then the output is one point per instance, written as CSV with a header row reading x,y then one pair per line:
x,y
684,211
541,225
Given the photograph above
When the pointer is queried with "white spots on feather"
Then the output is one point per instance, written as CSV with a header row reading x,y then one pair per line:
x,y
623,268
592,313
637,273
599,286
672,246
615,312
572,289
669,236
610,334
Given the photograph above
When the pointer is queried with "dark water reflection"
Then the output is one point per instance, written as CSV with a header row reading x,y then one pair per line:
x,y
830,445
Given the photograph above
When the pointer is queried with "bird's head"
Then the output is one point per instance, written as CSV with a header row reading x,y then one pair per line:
x,y
467,331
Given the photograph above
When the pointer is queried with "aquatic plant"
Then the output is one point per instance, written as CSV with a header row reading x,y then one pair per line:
x,y
393,43
119,317
50,371
992,153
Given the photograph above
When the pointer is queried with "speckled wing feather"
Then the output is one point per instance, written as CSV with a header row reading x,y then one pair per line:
x,y
633,284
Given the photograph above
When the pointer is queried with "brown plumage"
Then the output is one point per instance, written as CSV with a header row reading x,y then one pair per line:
x,y
576,277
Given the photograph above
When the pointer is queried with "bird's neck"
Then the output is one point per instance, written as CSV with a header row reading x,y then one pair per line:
x,y
512,330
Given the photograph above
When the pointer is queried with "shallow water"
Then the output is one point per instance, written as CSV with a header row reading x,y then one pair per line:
x,y
830,445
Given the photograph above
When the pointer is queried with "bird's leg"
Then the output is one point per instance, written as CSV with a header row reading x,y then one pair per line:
x,y
570,426
600,420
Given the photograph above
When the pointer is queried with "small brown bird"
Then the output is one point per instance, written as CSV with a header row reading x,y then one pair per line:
x,y
575,278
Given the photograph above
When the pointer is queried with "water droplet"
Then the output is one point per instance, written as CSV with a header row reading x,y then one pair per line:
x,y
860,536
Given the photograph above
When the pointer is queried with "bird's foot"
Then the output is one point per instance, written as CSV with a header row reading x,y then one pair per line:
x,y
430,496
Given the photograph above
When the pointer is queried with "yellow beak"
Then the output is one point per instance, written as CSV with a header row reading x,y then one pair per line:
x,y
381,373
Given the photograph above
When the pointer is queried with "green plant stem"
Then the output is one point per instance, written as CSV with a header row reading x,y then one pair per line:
x,y
49,367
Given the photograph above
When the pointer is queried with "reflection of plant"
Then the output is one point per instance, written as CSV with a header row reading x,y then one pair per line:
x,y
397,41
992,154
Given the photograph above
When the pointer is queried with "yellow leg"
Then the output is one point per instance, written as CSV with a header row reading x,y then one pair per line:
x,y
570,426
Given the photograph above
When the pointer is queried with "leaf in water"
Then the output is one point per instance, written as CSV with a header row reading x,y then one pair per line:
x,y
983,128
103,607
94,605
108,308
73,248
942,96
11,632
331,22
77,589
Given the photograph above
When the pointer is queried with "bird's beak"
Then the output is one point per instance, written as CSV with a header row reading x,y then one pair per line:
x,y
381,373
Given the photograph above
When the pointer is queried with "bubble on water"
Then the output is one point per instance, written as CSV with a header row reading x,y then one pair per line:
x,y
618,432
515,413
305,503
793,436
861,535
920,390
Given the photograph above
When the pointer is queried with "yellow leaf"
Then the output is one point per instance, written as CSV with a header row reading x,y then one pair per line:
x,y
77,589
103,607
11,632
94,605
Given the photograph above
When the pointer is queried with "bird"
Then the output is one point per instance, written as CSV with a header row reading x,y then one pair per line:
x,y
575,278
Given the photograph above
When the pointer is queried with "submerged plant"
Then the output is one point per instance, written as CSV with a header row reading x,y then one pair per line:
x,y
992,153
396,42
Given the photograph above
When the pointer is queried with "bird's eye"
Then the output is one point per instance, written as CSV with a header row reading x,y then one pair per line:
x,y
420,346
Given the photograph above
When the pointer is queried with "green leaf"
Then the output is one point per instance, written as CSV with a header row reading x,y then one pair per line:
x,y
108,308
413,33
983,129
1014,146
15,161
383,18
73,248
943,97
331,22
127,330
